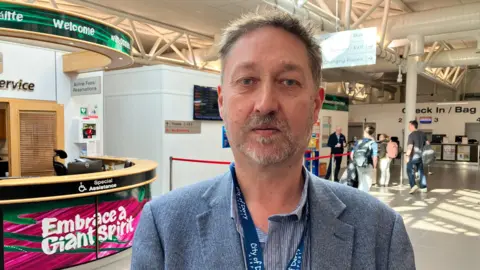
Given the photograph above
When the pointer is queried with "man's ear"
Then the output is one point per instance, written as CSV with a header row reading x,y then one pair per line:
x,y
319,98
220,100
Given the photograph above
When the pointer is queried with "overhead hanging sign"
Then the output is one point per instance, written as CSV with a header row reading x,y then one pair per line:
x,y
51,22
335,103
349,48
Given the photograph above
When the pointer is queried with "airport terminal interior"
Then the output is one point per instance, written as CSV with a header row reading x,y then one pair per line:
x,y
106,105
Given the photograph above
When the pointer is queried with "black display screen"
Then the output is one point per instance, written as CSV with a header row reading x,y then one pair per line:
x,y
205,103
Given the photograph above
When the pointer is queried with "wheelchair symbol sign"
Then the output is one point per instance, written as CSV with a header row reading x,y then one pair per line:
x,y
82,188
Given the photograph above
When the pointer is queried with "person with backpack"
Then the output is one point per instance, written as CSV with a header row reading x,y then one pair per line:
x,y
387,151
414,157
365,158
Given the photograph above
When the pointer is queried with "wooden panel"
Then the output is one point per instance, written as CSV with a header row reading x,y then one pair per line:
x,y
3,124
16,106
38,139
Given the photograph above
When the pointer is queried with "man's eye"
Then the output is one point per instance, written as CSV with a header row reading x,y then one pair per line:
x,y
247,81
290,82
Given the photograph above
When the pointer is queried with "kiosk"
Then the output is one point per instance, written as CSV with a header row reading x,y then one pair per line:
x,y
62,221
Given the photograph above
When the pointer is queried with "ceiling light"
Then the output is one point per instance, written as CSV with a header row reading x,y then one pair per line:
x,y
71,43
452,103
120,58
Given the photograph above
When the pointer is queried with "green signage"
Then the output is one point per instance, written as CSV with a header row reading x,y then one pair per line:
x,y
32,19
335,103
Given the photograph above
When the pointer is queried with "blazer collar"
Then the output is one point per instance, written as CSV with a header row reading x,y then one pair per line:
x,y
220,241
331,240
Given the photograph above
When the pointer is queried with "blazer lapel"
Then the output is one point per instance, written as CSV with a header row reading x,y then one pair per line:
x,y
331,239
221,246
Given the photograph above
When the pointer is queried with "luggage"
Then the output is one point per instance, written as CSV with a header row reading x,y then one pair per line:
x,y
392,150
349,176
428,155
362,155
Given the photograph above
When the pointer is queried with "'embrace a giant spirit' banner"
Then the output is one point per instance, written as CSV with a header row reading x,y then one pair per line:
x,y
45,21
58,234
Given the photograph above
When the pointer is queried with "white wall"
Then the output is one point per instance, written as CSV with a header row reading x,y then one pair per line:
x,y
30,64
137,103
388,116
72,105
133,113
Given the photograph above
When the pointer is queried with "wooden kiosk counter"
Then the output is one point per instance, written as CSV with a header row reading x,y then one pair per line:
x,y
62,221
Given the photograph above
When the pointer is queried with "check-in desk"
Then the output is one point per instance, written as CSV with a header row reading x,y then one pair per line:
x,y
456,152
62,221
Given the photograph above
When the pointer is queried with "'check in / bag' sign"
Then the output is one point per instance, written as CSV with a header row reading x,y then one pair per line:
x,y
45,21
349,48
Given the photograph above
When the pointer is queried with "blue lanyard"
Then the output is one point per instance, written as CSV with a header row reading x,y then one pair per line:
x,y
251,243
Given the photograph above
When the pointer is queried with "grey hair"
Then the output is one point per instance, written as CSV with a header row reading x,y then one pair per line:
x,y
248,23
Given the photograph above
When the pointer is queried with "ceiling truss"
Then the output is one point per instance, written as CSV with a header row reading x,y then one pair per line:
x,y
172,44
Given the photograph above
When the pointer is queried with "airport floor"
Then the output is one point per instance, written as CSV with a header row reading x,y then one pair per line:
x,y
443,224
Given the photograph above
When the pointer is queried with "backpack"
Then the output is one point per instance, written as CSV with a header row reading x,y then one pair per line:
x,y
382,150
428,155
392,150
362,156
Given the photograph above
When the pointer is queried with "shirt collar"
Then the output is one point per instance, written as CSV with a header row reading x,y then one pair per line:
x,y
298,212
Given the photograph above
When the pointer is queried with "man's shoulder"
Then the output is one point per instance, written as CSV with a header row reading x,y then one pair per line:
x,y
360,206
186,198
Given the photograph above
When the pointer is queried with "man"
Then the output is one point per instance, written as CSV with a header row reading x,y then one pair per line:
x,y
267,211
337,143
365,158
416,142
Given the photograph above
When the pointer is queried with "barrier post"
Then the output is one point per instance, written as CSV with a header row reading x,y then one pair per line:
x,y
401,170
334,166
170,178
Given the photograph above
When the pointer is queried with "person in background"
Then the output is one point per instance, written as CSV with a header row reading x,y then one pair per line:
x,y
385,160
365,158
413,157
337,143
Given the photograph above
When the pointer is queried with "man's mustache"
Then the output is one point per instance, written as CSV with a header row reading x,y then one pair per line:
x,y
262,121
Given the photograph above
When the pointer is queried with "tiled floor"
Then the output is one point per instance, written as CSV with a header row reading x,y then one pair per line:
x,y
443,224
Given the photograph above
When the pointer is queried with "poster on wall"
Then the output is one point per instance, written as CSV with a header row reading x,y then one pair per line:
x,y
314,143
59,234
449,152
335,103
225,143
326,129
463,153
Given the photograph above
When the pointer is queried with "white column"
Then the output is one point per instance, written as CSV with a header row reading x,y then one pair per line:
x,y
410,100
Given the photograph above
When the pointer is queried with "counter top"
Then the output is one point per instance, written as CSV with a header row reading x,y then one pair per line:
x,y
34,189
459,144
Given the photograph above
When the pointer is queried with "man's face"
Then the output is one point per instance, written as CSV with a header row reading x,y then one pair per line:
x,y
338,131
268,99
411,127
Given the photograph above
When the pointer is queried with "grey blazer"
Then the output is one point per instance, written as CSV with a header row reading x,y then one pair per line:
x,y
191,228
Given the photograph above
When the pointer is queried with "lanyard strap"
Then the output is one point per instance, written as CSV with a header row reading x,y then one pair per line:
x,y
251,243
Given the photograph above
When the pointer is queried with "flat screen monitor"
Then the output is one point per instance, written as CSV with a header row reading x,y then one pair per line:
x,y
205,103
458,138
82,167
438,138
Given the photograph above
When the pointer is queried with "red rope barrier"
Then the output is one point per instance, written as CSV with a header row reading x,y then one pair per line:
x,y
228,163
325,157
202,161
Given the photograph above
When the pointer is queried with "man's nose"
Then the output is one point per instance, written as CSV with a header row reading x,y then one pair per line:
x,y
267,99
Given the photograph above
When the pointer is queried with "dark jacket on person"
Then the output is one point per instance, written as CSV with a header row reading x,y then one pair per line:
x,y
333,140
